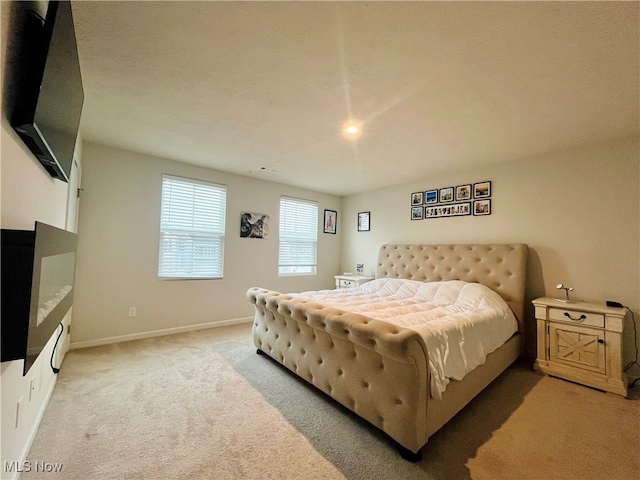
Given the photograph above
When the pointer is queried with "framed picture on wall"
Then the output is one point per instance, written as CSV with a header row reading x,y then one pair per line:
x,y
463,192
446,194
482,190
330,221
254,225
364,221
417,213
431,196
482,207
450,210
416,198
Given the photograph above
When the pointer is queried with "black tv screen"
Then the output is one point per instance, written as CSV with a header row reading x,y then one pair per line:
x,y
50,97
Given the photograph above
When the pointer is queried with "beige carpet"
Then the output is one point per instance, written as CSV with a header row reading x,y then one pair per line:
x,y
203,405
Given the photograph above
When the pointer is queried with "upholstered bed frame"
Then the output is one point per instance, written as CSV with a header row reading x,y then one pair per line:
x,y
378,370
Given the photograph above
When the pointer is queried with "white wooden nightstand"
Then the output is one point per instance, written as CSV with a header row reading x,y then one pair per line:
x,y
581,342
350,281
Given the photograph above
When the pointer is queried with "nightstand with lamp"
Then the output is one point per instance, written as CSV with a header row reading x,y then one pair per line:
x,y
581,342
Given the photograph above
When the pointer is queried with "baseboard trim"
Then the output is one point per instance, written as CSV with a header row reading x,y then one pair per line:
x,y
157,333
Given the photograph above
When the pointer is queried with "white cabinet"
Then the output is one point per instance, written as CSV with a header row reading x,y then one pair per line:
x,y
581,342
350,281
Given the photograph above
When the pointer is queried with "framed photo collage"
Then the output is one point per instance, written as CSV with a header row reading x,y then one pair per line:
x,y
468,199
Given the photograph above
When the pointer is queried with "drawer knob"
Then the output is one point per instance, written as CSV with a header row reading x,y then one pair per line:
x,y
600,340
568,315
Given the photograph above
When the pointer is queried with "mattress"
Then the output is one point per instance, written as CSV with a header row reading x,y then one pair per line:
x,y
460,322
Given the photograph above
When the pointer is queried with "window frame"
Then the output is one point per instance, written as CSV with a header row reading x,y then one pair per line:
x,y
217,231
312,223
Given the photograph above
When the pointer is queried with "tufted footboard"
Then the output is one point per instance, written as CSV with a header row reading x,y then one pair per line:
x,y
375,369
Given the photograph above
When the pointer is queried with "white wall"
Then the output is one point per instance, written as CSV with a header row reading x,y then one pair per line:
x,y
28,194
118,241
578,210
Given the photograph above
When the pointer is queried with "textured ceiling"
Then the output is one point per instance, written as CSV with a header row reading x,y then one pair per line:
x,y
263,88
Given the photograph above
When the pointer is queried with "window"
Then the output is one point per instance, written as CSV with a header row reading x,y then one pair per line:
x,y
192,223
298,237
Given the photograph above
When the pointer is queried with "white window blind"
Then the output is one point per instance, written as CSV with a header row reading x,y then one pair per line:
x,y
192,225
298,237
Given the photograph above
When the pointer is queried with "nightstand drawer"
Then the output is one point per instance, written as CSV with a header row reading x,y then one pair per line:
x,y
346,283
576,317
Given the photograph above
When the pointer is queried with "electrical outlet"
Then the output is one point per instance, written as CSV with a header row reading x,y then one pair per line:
x,y
133,311
32,387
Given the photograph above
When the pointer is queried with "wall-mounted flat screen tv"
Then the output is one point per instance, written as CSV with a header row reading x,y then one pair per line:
x,y
50,94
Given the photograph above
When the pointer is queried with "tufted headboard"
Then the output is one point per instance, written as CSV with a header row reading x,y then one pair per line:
x,y
501,267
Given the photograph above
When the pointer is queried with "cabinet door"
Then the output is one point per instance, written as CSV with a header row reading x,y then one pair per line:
x,y
577,347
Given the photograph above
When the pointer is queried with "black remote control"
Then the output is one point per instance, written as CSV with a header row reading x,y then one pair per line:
x,y
611,303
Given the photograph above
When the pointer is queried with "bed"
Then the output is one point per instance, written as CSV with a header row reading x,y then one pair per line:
x,y
380,370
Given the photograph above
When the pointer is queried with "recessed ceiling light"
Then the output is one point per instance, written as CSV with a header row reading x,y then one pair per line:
x,y
352,128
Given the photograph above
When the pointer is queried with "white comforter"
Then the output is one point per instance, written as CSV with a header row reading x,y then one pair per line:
x,y
461,322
